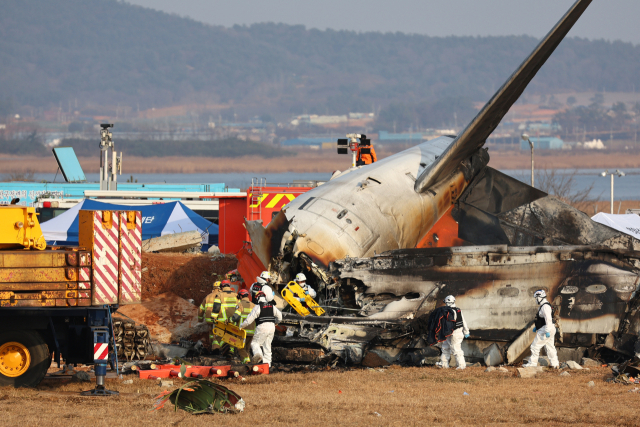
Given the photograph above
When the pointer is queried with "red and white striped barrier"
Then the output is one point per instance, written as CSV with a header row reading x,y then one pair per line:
x,y
100,351
99,233
130,255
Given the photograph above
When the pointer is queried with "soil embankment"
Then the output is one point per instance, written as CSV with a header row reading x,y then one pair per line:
x,y
187,275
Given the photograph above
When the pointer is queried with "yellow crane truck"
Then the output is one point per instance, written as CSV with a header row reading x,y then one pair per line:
x,y
56,302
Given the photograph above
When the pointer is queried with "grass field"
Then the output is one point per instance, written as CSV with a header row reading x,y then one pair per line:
x,y
390,397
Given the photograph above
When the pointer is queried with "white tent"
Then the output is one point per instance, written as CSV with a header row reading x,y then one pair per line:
x,y
627,223
157,220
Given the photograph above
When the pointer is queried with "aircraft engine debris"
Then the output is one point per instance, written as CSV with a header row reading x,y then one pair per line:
x,y
200,397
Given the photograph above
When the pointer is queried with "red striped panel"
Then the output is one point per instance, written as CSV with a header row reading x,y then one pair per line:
x,y
129,273
100,351
85,274
105,260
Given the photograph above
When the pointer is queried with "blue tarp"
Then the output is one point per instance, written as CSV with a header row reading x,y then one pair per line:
x,y
157,220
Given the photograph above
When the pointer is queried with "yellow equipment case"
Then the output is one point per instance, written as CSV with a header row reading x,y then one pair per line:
x,y
230,333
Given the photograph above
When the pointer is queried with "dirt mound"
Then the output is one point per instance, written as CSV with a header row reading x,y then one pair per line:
x,y
189,276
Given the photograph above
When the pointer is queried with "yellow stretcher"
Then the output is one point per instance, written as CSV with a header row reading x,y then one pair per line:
x,y
292,292
230,333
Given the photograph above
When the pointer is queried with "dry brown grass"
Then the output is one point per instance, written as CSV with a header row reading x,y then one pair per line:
x,y
303,162
315,161
402,396
591,208
565,159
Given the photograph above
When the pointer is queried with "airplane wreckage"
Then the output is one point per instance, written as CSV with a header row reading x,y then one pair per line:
x,y
386,242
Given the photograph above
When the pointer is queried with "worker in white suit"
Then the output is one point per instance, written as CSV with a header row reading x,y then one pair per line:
x,y
266,315
453,344
545,332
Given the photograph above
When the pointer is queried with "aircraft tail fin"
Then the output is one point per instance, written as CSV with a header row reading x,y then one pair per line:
x,y
476,133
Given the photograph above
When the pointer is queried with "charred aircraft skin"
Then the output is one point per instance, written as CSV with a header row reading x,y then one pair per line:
x,y
393,203
358,213
494,285
357,234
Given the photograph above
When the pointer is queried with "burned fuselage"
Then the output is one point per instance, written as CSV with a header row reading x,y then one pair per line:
x,y
393,203
494,286
594,291
357,235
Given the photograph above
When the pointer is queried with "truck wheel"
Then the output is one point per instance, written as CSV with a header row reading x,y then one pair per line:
x,y
24,358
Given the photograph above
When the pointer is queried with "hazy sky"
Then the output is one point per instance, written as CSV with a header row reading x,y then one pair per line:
x,y
608,19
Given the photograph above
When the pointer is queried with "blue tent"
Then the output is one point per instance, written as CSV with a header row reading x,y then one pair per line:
x,y
157,220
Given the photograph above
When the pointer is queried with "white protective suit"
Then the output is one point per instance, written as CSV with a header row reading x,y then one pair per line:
x,y
453,345
261,343
541,339
309,289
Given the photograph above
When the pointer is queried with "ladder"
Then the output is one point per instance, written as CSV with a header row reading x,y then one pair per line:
x,y
255,201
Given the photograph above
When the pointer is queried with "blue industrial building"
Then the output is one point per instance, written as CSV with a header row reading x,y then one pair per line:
x,y
312,141
386,137
542,143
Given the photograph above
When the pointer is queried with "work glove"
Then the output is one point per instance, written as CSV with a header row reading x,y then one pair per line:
x,y
466,335
306,292
547,335
534,329
301,299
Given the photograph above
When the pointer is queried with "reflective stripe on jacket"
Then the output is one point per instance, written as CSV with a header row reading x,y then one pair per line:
x,y
245,307
205,313
228,306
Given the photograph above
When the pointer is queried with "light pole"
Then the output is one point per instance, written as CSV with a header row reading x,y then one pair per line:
x,y
525,137
617,172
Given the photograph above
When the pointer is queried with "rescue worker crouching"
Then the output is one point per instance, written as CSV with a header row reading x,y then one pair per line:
x,y
545,332
243,309
265,315
206,314
453,344
301,280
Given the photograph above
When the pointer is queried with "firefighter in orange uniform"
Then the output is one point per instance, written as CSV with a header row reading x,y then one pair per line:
x,y
366,159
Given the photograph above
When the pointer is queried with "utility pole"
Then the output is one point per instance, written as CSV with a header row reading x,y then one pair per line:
x,y
525,137
617,172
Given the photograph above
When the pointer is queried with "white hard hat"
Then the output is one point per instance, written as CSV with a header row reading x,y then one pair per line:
x,y
450,300
301,278
540,294
264,277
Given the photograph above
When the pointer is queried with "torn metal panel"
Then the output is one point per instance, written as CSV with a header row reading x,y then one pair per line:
x,y
345,338
520,346
494,286
497,208
493,355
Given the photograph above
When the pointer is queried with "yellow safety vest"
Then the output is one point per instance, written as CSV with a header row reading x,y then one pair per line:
x,y
243,309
